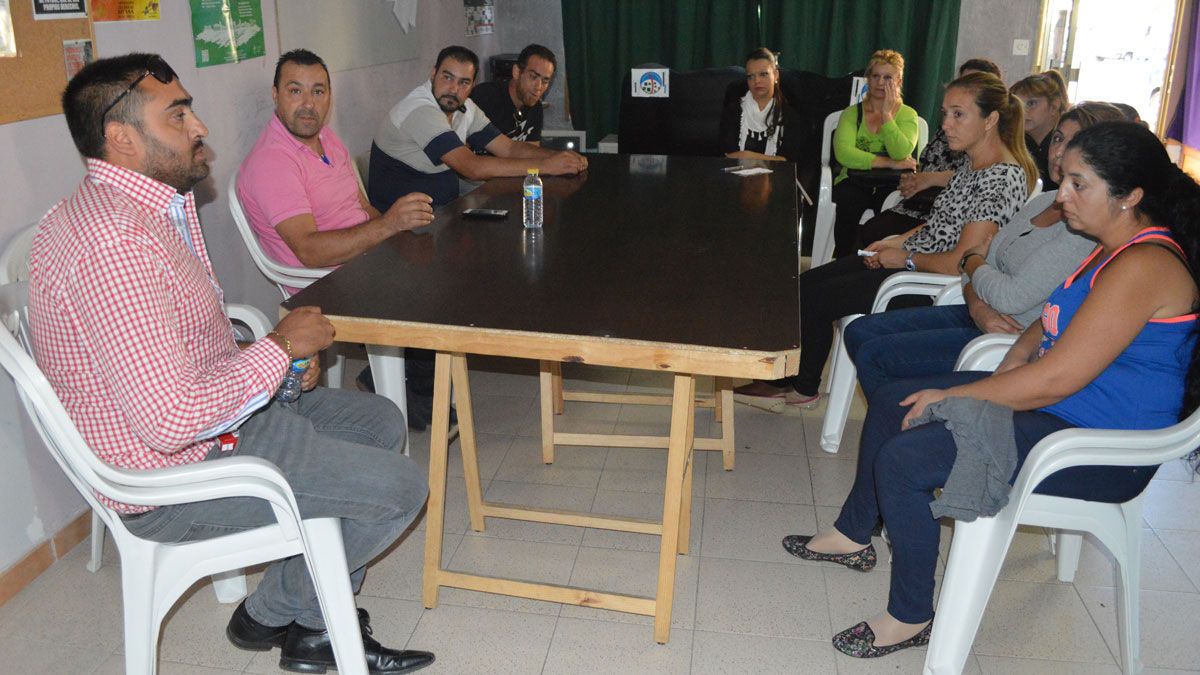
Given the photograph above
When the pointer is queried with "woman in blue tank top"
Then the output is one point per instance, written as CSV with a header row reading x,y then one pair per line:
x,y
1115,349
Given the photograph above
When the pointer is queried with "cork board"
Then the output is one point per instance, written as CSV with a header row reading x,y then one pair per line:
x,y
31,83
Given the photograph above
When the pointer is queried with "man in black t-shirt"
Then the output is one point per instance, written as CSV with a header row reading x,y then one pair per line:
x,y
515,106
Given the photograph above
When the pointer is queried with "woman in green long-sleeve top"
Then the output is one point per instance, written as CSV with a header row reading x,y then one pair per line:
x,y
879,133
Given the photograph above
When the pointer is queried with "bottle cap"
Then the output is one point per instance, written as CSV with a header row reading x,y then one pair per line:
x,y
533,172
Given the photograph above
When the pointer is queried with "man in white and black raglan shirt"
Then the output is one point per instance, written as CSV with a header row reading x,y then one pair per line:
x,y
428,137
515,106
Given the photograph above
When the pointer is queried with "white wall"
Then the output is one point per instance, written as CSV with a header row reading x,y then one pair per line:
x,y
537,21
987,29
40,166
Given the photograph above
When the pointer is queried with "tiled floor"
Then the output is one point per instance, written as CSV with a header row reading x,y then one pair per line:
x,y
742,605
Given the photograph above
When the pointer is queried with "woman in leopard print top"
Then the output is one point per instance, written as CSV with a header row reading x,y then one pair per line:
x,y
985,122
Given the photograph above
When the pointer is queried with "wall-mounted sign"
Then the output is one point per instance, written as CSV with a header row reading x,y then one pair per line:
x,y
59,9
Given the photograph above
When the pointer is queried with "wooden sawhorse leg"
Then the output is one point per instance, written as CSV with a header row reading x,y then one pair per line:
x,y
679,451
449,368
723,414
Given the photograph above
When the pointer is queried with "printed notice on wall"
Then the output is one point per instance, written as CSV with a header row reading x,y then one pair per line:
x,y
227,31
76,55
59,9
481,17
8,45
125,10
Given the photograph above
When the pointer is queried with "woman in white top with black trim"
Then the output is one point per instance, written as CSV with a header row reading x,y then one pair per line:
x,y
752,126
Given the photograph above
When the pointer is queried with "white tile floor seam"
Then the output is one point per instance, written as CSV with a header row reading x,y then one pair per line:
x,y
1114,653
741,604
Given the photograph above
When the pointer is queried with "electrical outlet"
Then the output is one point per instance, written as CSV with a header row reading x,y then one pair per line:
x,y
1020,47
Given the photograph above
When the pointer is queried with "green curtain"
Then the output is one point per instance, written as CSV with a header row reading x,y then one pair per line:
x,y
605,38
835,37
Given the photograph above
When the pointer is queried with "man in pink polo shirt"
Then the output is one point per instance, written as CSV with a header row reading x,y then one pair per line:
x,y
302,198
298,186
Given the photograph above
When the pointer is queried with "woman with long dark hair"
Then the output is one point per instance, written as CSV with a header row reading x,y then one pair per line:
x,y
1116,349
752,126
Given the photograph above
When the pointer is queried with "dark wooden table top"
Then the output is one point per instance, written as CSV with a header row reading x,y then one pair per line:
x,y
640,247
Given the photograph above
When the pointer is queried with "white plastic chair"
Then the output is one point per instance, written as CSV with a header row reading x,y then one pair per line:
x,y
1037,190
945,289
387,363
154,575
985,352
14,261
822,251
978,549
14,266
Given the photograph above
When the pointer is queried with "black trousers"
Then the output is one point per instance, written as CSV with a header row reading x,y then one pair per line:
x,y
884,225
827,293
854,196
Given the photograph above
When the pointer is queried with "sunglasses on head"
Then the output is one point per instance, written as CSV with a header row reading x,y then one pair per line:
x,y
156,68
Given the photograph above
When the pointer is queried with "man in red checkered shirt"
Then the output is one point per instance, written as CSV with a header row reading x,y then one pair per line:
x,y
128,326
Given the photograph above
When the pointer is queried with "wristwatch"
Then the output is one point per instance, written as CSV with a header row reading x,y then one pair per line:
x,y
909,263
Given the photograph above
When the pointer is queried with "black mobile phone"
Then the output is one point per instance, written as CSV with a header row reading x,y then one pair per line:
x,y
490,214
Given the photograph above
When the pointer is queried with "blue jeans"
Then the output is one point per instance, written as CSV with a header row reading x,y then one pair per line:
x,y
903,343
898,471
341,453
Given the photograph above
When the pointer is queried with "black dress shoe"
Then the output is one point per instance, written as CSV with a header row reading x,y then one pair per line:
x,y
309,651
246,633
366,380
420,412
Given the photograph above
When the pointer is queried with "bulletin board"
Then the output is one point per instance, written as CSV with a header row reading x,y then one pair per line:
x,y
31,83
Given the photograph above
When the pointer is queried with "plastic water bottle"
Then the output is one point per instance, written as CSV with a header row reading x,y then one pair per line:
x,y
289,389
531,203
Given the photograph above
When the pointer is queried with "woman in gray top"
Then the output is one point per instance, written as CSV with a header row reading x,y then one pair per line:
x,y
1005,283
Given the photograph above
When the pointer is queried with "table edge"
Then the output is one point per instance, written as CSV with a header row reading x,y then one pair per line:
x,y
586,349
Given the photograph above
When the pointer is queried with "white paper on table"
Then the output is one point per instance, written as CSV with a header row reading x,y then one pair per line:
x,y
751,172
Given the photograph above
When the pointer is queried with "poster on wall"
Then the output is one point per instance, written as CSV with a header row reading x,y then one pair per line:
x,y
76,55
8,45
227,31
59,9
481,17
125,10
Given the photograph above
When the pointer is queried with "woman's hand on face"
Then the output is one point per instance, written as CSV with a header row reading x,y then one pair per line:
x,y
891,97
920,401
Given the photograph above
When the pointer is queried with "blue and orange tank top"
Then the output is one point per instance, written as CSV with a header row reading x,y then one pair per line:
x,y
1143,388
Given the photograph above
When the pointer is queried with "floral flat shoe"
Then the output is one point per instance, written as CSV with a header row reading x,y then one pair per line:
x,y
859,642
863,561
